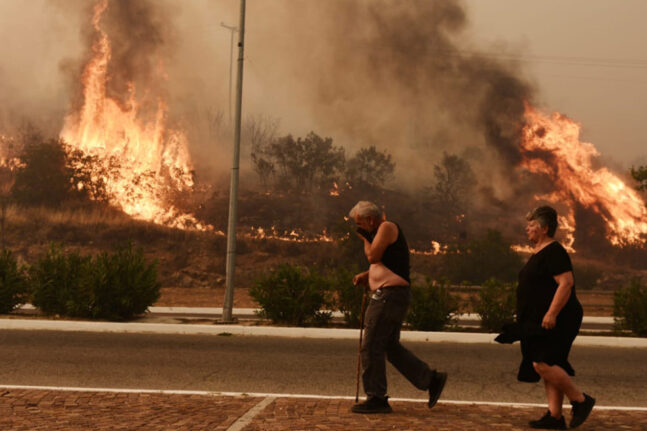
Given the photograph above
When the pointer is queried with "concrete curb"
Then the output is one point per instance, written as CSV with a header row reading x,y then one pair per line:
x,y
272,331
251,312
472,317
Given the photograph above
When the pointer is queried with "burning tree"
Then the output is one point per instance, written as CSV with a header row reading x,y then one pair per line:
x,y
139,159
551,146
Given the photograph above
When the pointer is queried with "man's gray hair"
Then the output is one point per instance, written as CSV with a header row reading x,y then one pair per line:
x,y
366,209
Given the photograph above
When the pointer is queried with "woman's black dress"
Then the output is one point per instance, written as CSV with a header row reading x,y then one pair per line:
x,y
535,293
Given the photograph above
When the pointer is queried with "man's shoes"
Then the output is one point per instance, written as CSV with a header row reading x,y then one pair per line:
x,y
436,387
581,410
373,405
548,422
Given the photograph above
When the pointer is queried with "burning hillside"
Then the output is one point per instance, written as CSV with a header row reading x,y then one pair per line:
x,y
405,82
141,160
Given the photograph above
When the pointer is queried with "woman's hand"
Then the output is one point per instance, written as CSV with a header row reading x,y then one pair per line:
x,y
549,321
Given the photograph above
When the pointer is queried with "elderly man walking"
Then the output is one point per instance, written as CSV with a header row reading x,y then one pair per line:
x,y
388,279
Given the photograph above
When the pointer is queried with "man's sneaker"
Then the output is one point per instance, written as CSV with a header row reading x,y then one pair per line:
x,y
373,405
549,422
436,387
581,410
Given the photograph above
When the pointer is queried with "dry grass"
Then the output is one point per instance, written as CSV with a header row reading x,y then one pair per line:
x,y
185,258
86,217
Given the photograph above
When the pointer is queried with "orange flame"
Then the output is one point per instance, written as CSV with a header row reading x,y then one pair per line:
x,y
292,236
436,249
8,160
144,161
568,163
335,190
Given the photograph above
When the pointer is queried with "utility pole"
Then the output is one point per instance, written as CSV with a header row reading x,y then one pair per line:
x,y
232,30
228,305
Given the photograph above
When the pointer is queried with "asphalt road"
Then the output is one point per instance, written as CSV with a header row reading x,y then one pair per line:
x,y
477,372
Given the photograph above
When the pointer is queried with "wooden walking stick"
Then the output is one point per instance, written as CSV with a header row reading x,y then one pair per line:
x,y
359,348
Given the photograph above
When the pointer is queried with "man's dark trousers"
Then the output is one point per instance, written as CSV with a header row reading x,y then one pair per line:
x,y
384,316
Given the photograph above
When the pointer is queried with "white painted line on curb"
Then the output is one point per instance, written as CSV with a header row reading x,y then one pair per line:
x,y
245,419
300,396
291,332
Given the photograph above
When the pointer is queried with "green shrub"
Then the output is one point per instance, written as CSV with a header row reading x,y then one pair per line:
x,y
481,259
123,284
630,307
587,277
114,286
60,283
495,304
13,286
431,306
292,295
348,297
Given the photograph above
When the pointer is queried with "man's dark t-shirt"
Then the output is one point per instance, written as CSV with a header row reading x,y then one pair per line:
x,y
396,255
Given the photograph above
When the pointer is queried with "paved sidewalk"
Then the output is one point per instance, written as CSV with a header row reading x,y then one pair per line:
x,y
54,410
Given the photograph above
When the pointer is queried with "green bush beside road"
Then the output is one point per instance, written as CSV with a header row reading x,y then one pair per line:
x,y
347,297
495,304
432,306
112,286
123,284
630,307
293,295
60,283
13,285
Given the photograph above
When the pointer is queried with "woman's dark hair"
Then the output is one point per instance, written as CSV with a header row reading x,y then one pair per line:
x,y
545,216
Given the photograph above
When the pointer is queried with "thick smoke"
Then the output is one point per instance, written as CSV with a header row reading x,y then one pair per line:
x,y
398,75
142,42
35,36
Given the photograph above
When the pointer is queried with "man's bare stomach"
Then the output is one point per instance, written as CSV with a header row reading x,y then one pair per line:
x,y
380,276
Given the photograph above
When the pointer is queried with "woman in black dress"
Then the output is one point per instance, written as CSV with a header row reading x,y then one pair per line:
x,y
549,317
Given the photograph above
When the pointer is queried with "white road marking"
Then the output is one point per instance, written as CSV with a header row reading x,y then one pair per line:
x,y
278,395
245,419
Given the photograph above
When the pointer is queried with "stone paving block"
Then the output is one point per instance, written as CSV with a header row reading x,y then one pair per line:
x,y
35,410
109,411
296,414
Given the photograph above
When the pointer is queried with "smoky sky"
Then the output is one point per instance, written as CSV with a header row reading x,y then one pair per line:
x,y
398,75
141,42
402,76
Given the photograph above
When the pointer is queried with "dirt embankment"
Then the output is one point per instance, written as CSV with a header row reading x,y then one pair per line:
x,y
191,264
